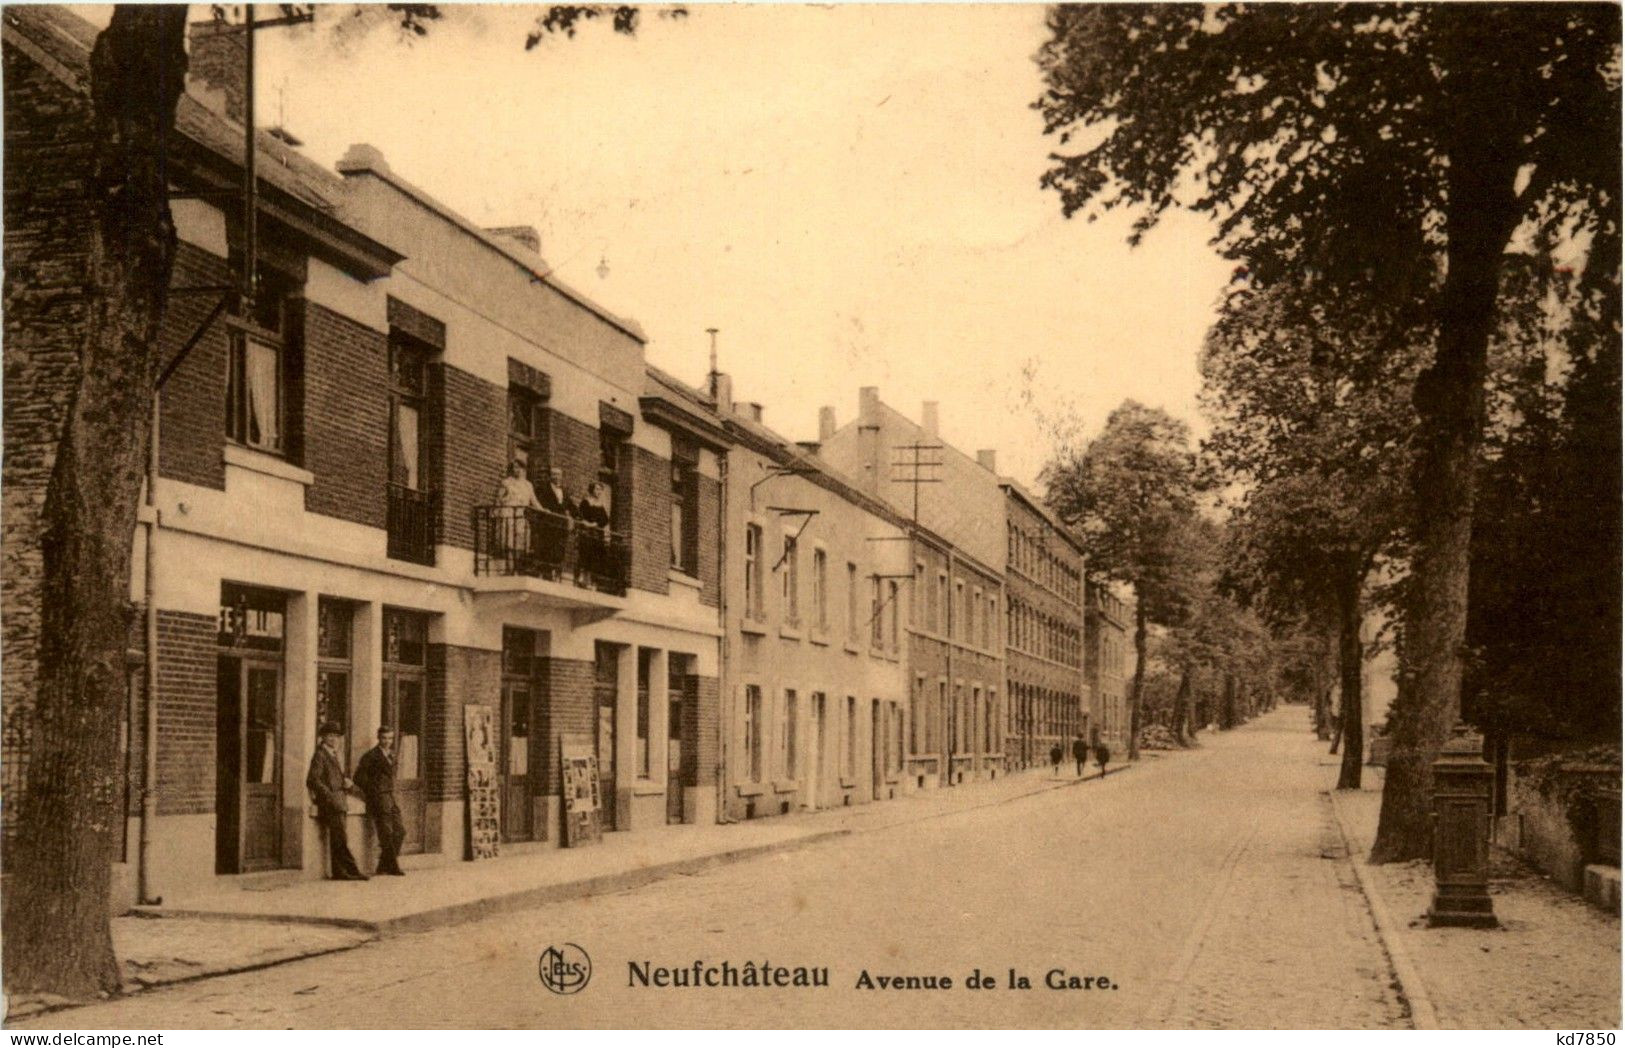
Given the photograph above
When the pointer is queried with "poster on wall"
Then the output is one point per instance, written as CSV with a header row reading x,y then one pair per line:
x,y
484,812
583,823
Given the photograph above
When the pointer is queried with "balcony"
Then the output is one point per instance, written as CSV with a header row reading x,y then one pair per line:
x,y
519,542
410,522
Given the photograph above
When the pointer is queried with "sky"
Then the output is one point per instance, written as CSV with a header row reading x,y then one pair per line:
x,y
849,193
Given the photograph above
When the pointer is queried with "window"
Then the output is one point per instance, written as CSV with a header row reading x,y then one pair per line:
x,y
821,589
852,602
611,445
787,736
892,615
877,625
257,368
333,668
972,608
939,614
988,622
685,516
849,756
645,659
959,608
753,730
527,432
989,723
917,602
408,384
753,572
897,737
916,717
792,580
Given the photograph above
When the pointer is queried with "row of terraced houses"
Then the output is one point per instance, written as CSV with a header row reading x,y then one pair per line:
x,y
756,626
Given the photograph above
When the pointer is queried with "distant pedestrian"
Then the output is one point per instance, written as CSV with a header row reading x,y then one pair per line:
x,y
1055,759
375,778
1080,754
1102,755
327,782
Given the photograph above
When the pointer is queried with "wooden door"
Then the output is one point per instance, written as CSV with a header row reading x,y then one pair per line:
x,y
517,709
676,694
248,737
403,707
606,683
877,751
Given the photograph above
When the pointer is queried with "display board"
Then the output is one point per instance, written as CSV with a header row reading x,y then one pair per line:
x,y
583,819
484,817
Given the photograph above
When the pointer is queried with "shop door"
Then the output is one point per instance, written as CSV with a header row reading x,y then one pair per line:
x,y
606,682
403,707
248,737
517,707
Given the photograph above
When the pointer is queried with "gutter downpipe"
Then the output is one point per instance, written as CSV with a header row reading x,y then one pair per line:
x,y
149,736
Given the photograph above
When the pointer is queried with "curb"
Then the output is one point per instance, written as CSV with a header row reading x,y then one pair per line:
x,y
1411,987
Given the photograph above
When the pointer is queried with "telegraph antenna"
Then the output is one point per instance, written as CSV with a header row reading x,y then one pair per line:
x,y
916,464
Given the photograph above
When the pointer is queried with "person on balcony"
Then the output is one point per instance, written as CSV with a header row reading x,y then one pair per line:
x,y
515,495
597,557
554,530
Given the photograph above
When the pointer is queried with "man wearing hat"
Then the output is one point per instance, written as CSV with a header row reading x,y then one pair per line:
x,y
375,777
327,783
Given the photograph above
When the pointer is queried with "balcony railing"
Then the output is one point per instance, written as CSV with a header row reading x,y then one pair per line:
x,y
410,521
517,540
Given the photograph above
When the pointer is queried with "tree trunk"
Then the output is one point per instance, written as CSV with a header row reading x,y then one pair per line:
x,y
1350,661
1337,733
1449,398
57,920
1227,708
1139,677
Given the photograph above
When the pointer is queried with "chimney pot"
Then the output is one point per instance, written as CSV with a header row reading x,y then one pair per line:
x,y
869,405
988,458
722,391
928,417
755,410
826,423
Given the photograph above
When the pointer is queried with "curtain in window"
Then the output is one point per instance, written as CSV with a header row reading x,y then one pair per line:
x,y
263,429
403,448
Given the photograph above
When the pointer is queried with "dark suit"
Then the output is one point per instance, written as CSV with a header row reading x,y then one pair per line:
x,y
375,778
551,534
325,782
1080,753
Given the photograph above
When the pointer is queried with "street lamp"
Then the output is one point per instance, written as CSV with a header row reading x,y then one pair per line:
x,y
1461,846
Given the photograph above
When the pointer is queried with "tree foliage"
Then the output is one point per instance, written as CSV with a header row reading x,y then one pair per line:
x,y
1391,153
1131,494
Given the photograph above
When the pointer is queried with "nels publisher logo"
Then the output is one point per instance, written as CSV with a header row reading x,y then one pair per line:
x,y
564,969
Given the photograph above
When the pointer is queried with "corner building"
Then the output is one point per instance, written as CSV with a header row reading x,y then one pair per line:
x,y
327,543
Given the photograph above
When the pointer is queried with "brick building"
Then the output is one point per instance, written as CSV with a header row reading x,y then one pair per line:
x,y
956,558
328,539
1107,662
1046,695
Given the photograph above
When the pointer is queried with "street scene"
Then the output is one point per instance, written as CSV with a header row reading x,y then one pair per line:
x,y
981,516
1213,893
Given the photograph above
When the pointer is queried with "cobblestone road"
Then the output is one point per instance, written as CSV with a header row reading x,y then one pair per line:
x,y
1207,887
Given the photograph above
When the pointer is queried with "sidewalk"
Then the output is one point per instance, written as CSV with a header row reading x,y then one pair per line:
x,y
232,929
1553,964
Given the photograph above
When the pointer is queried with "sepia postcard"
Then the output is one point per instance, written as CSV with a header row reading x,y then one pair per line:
x,y
887,516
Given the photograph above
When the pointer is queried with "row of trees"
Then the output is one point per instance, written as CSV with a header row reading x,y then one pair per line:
x,y
1394,183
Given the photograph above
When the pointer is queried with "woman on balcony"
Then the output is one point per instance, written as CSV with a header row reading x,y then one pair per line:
x,y
517,496
597,556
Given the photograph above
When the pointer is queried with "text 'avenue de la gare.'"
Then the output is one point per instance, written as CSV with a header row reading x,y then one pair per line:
x,y
727,975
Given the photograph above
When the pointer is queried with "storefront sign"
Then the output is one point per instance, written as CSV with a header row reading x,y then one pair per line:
x,y
484,811
582,805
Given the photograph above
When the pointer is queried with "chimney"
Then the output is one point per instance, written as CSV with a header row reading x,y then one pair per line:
x,y
753,411
525,235
988,459
362,158
217,67
826,423
869,406
722,392
928,418
809,446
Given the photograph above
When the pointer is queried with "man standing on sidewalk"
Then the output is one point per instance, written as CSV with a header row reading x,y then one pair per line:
x,y
326,782
1080,754
375,778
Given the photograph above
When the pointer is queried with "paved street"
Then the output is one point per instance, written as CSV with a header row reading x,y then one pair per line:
x,y
1210,888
